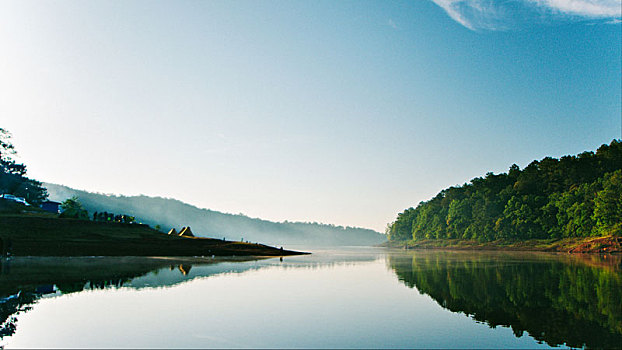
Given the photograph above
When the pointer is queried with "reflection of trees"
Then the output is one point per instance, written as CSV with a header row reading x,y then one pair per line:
x,y
553,300
14,304
22,279
10,307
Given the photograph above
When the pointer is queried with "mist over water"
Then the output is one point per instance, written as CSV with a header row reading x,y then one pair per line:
x,y
335,298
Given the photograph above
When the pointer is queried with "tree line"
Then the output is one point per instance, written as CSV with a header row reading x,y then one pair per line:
x,y
72,208
574,196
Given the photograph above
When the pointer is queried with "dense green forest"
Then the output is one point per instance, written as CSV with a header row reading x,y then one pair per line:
x,y
575,196
556,299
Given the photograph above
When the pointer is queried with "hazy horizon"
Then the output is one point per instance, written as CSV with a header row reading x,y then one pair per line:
x,y
343,112
58,197
167,213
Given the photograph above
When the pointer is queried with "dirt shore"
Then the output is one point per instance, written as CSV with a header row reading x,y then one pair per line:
x,y
585,245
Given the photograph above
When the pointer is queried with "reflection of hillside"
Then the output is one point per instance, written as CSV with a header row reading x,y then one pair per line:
x,y
24,280
555,299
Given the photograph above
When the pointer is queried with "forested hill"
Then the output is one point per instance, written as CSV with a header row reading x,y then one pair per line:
x,y
575,196
169,213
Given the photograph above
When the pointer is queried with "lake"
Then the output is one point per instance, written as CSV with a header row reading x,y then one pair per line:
x,y
334,298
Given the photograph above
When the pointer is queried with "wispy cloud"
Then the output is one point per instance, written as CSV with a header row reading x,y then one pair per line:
x,y
503,14
583,8
392,24
477,14
452,9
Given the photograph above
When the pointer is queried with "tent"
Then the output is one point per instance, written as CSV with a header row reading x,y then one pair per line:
x,y
186,232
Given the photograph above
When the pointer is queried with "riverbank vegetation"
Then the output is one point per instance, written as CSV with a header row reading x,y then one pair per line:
x,y
575,196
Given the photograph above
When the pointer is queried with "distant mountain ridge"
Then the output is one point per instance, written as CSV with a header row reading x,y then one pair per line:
x,y
172,213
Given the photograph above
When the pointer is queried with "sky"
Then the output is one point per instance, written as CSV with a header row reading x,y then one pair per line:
x,y
342,112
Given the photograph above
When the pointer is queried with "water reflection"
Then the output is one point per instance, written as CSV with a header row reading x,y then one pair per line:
x,y
557,299
24,280
572,300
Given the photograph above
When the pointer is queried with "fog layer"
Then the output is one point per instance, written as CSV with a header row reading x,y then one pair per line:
x,y
172,213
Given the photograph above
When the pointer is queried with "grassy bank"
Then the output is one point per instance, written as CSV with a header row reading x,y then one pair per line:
x,y
37,234
608,244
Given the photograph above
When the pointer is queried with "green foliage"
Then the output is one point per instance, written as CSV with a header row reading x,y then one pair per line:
x,y
13,178
72,208
608,205
402,228
458,218
575,196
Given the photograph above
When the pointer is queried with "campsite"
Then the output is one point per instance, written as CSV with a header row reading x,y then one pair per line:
x,y
37,233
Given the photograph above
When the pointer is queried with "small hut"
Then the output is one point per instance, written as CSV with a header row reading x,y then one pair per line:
x,y
186,232
50,206
173,232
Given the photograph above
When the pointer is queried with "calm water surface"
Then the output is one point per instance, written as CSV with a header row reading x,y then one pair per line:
x,y
347,298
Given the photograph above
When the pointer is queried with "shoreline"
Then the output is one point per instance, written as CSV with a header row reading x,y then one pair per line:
x,y
577,245
36,235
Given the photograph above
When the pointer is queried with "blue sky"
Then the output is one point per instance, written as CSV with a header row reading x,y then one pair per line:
x,y
340,112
